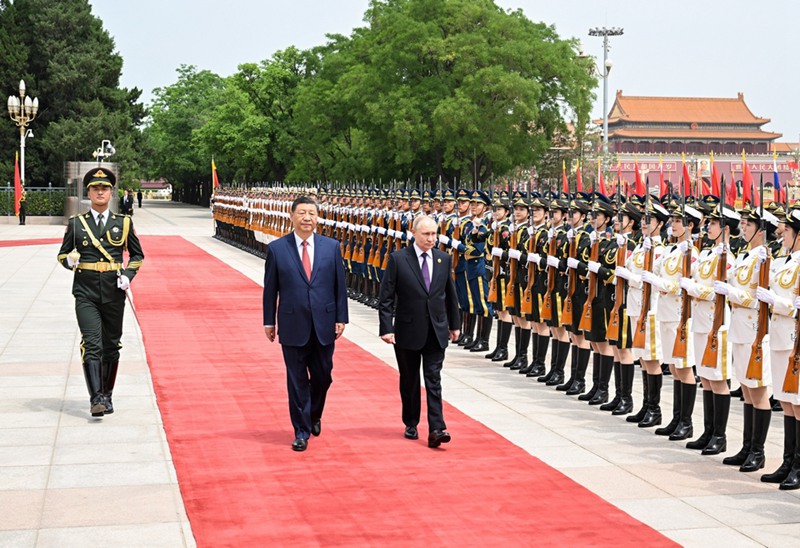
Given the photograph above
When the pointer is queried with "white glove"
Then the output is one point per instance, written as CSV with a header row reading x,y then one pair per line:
x,y
71,262
623,273
497,252
797,302
572,263
494,225
123,283
531,230
409,235
647,243
454,243
594,266
669,232
722,288
765,295
550,233
593,236
622,240
374,228
719,249
381,231
514,254
686,284
683,246
650,278
444,239
552,261
534,258
761,253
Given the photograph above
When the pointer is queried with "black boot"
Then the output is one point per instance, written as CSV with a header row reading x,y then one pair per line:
x,y
493,353
789,442
562,351
792,480
676,410
464,316
534,341
708,422
108,370
477,324
517,343
606,367
522,359
540,356
747,435
719,442
610,406
553,363
737,393
94,383
595,379
756,457
579,383
685,429
627,373
505,333
640,415
485,332
652,416
573,370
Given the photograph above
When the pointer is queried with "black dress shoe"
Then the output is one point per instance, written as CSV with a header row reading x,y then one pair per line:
x,y
411,433
316,428
438,437
98,406
299,444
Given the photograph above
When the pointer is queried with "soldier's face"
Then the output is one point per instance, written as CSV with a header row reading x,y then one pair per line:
x,y
749,229
520,214
538,215
463,207
449,206
714,230
500,214
415,204
677,227
557,216
99,195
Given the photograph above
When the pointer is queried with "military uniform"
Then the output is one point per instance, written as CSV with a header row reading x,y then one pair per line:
x,y
98,286
23,206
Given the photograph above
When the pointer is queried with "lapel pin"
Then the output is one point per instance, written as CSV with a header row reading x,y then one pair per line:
x,y
438,260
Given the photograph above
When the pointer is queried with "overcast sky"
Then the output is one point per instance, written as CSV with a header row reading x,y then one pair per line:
x,y
707,48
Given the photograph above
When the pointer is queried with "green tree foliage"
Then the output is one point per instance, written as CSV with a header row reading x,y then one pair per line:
x,y
67,60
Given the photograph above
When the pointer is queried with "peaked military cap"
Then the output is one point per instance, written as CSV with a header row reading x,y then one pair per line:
x,y
631,211
99,176
463,194
793,217
481,197
659,211
732,217
688,211
602,204
751,213
448,194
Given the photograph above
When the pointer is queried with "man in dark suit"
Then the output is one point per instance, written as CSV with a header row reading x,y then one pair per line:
x,y
306,272
418,314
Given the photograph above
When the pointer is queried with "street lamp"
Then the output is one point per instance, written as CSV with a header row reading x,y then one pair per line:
x,y
22,111
607,64
105,150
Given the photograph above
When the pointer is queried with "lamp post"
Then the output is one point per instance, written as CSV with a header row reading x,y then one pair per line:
x,y
607,64
105,150
22,111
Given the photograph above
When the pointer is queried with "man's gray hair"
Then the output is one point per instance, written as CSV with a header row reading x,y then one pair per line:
x,y
421,219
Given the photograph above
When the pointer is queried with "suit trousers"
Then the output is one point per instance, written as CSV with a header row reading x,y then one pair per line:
x,y
101,328
308,376
408,361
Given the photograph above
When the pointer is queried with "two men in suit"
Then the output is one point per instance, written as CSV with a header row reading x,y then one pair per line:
x,y
93,248
419,314
304,287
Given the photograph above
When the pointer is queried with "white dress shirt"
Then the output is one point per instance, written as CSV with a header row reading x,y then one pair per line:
x,y
299,244
428,259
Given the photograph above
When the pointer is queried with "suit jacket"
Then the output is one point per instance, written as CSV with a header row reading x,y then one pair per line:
x,y
304,304
101,287
407,309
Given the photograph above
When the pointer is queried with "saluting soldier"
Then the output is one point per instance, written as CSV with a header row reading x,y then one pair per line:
x,y
93,248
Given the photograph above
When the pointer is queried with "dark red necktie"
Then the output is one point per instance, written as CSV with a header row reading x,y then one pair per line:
x,y
306,261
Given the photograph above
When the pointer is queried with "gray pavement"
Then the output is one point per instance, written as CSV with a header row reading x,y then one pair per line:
x,y
58,468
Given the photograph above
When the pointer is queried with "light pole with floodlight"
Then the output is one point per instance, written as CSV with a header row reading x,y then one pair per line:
x,y
22,111
607,64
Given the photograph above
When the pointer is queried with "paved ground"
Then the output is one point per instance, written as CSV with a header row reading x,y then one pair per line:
x,y
58,468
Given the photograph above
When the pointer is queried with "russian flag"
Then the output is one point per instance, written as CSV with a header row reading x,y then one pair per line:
x,y
776,180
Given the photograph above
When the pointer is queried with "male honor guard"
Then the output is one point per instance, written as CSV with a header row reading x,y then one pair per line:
x,y
93,248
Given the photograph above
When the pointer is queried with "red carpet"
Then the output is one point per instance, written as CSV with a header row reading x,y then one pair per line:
x,y
221,390
38,241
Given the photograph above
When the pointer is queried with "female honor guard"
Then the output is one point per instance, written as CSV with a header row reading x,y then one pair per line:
x,y
559,245
536,256
708,316
93,248
783,331
741,292
501,237
518,272
642,314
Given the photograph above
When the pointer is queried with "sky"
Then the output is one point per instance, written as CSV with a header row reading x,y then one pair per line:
x,y
699,48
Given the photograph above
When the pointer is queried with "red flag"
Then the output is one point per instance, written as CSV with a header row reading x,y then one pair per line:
x,y
579,181
639,189
687,180
747,182
715,187
601,181
662,186
564,177
17,185
214,176
731,192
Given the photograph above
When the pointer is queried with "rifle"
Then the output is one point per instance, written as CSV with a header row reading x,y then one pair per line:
x,y
619,288
790,382
679,348
508,301
586,318
711,354
641,324
572,280
526,307
755,366
390,240
492,296
547,304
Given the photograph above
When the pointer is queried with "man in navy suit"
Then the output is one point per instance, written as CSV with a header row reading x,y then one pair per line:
x,y
306,272
418,314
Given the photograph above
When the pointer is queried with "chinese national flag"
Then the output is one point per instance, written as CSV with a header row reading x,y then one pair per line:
x,y
747,182
17,185
662,186
687,180
640,190
214,176
601,181
565,182
731,192
579,179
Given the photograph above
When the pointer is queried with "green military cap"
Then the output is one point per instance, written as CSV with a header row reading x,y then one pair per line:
x,y
538,201
637,200
631,211
99,176
499,201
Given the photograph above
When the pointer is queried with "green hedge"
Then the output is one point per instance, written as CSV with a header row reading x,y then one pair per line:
x,y
39,202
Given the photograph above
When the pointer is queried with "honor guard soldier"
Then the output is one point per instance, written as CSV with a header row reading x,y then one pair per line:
x,y
23,205
93,248
460,265
535,255
518,281
500,239
477,278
